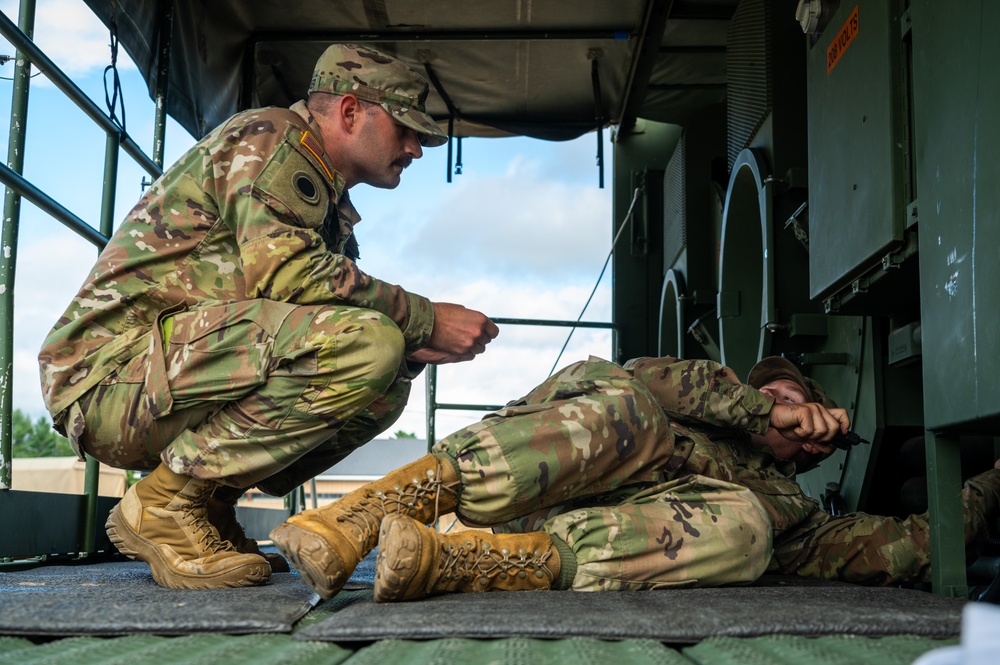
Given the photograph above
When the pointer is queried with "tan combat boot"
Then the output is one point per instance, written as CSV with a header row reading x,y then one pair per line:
x,y
415,561
162,520
222,514
326,544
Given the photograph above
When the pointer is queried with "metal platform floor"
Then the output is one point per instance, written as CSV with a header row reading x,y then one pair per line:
x,y
476,636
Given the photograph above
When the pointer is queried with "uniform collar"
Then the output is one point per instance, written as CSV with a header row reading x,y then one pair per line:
x,y
302,110
347,208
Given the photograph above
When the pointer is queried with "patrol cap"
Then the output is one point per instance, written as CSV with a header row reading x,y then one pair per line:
x,y
378,78
774,368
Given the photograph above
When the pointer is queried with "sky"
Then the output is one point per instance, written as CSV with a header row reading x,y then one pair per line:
x,y
522,232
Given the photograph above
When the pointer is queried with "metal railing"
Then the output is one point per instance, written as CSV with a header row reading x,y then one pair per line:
x,y
28,55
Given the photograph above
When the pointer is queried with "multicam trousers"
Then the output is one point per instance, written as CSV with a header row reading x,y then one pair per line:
x,y
249,393
582,457
877,550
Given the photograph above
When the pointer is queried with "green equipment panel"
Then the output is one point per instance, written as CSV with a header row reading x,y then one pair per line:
x,y
957,93
857,182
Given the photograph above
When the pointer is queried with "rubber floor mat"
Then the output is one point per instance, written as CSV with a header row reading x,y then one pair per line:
x,y
683,616
121,598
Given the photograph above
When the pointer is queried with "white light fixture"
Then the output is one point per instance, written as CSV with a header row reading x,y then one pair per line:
x,y
807,14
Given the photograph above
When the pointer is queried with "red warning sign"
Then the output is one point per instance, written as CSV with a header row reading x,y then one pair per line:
x,y
843,39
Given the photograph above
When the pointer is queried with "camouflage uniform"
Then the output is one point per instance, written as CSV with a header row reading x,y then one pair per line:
x,y
226,329
646,477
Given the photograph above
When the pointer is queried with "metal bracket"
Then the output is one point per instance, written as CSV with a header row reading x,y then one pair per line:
x,y
912,216
891,261
796,177
800,232
822,358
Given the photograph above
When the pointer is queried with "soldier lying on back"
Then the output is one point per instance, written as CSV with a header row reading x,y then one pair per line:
x,y
662,473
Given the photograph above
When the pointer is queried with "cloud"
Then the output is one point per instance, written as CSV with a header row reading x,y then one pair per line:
x,y
49,273
524,209
516,226
539,227
577,160
70,34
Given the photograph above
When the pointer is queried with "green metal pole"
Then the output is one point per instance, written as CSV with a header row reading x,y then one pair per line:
x,y
947,518
431,385
8,255
92,475
162,75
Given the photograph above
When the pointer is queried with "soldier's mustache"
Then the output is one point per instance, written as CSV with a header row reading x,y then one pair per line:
x,y
403,162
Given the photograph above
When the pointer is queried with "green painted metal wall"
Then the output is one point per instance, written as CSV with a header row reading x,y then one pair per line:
x,y
957,141
882,285
640,158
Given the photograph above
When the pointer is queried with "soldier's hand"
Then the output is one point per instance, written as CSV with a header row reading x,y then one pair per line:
x,y
459,334
809,423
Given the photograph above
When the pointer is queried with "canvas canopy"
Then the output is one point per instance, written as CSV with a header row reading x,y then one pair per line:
x,y
547,69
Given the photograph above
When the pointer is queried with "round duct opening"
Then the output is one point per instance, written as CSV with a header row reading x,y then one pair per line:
x,y
671,338
746,270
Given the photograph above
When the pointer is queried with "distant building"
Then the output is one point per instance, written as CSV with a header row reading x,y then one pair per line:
x,y
64,475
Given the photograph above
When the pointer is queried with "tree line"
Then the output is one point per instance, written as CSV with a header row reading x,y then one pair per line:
x,y
36,438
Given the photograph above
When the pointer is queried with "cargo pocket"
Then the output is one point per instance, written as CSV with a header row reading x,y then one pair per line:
x,y
214,354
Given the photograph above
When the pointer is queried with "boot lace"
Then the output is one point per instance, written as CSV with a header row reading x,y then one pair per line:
x,y
195,514
229,528
463,563
366,515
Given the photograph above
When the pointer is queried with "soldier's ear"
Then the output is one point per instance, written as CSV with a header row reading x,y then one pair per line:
x,y
349,113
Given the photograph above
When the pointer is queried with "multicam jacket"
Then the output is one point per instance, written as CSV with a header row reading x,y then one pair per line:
x,y
253,210
711,414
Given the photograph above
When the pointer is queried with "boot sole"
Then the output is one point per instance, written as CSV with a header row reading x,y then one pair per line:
x,y
399,556
135,547
317,562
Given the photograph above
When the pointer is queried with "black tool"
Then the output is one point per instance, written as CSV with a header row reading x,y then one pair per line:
x,y
847,441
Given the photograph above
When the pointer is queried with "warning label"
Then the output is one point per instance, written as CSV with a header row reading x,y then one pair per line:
x,y
843,39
